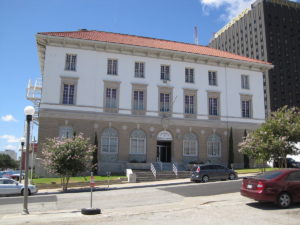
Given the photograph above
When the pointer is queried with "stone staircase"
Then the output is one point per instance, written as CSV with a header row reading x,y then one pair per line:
x,y
164,171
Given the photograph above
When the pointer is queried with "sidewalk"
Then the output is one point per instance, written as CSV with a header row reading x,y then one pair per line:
x,y
130,185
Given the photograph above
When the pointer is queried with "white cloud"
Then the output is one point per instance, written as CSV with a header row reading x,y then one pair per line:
x,y
8,118
10,138
232,7
11,147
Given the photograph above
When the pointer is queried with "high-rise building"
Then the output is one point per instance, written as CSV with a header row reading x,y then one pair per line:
x,y
269,31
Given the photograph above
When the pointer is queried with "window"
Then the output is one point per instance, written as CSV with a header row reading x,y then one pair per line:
x,y
164,102
66,132
246,108
109,141
212,78
214,146
70,62
245,81
68,94
190,144
139,69
138,142
189,104
164,72
189,75
213,106
138,100
111,98
112,66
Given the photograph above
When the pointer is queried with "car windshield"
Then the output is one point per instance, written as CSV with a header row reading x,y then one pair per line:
x,y
269,175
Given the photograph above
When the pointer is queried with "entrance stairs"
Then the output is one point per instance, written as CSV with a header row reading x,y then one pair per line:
x,y
164,171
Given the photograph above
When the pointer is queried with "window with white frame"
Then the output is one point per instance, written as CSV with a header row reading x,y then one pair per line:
x,y
70,63
66,132
111,98
165,72
109,141
189,75
138,100
138,142
139,69
246,106
164,102
214,146
68,97
190,144
112,66
245,82
213,106
212,78
189,104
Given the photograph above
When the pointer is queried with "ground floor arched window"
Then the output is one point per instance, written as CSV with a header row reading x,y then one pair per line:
x,y
138,142
214,146
109,141
190,144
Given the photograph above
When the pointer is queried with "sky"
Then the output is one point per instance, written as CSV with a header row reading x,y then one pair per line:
x,y
21,20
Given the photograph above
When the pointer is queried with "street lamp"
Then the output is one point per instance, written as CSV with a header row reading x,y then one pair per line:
x,y
29,111
21,161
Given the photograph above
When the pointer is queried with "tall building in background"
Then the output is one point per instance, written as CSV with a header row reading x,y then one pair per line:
x,y
269,31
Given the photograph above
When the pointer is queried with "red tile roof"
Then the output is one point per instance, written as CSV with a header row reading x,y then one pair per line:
x,y
150,43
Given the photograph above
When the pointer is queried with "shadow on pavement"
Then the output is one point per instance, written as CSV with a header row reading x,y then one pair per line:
x,y
269,206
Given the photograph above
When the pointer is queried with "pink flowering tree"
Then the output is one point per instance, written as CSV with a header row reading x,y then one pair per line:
x,y
276,138
67,157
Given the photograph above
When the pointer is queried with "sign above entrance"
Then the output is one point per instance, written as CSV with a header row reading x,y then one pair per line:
x,y
164,136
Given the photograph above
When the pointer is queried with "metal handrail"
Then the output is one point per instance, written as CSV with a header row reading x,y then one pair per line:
x,y
153,170
175,170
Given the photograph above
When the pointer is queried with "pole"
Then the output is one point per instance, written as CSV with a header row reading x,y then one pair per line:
x,y
21,161
25,202
92,184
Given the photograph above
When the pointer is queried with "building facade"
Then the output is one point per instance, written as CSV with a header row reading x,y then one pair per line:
x,y
269,31
11,153
145,99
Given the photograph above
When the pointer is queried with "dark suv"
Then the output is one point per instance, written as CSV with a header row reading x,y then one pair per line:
x,y
205,173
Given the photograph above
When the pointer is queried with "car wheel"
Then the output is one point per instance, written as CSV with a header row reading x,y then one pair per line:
x,y
284,200
231,176
205,178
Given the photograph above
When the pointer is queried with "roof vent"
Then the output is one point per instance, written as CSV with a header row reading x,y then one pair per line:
x,y
82,30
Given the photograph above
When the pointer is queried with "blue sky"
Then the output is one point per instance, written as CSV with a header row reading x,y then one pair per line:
x,y
20,20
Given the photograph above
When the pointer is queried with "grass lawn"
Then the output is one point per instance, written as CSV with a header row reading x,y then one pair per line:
x,y
256,170
74,179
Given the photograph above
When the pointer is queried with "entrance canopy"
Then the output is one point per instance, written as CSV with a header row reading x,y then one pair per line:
x,y
164,136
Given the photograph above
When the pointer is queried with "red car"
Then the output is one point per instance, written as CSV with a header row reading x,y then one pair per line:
x,y
281,187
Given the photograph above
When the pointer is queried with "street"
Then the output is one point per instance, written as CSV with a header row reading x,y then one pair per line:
x,y
204,203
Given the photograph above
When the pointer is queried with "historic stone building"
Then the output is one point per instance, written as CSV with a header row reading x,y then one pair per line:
x,y
269,31
147,99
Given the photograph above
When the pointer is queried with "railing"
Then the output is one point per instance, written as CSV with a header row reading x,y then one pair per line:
x,y
175,170
153,170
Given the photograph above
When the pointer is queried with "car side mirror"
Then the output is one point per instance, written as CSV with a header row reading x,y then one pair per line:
x,y
17,184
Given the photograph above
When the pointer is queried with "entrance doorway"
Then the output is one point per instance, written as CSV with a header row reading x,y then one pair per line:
x,y
163,153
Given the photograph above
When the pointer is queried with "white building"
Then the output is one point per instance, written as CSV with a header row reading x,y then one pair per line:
x,y
147,99
11,153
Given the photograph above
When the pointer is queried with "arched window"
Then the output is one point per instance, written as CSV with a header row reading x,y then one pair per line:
x,y
109,141
190,144
66,132
214,146
138,142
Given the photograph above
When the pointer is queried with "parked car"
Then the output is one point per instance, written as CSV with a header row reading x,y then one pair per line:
x,y
9,186
205,173
290,162
281,187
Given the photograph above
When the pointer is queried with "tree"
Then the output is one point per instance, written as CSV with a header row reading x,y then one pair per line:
x,y
7,162
230,150
276,138
246,157
67,157
95,156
